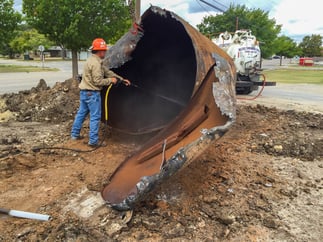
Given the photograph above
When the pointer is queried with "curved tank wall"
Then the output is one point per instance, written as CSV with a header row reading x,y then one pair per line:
x,y
184,86
163,76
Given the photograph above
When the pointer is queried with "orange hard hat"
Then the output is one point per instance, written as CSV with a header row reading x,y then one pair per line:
x,y
98,44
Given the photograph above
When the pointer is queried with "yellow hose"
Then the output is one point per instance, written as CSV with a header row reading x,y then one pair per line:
x,y
106,102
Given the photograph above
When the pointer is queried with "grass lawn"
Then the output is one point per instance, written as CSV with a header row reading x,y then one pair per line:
x,y
18,68
295,75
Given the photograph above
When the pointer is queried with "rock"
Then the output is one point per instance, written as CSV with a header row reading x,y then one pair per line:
x,y
278,148
114,229
226,219
173,232
270,223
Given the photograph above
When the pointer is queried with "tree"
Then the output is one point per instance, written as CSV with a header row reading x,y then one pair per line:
x,y
29,39
73,24
240,17
285,46
311,45
9,20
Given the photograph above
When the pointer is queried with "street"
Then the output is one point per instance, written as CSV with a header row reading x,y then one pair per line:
x,y
19,81
302,97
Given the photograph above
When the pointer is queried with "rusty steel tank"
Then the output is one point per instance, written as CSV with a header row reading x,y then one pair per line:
x,y
183,91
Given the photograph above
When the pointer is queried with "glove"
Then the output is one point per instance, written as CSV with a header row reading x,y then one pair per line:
x,y
119,81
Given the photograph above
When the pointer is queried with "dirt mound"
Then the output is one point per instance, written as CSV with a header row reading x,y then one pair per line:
x,y
262,181
55,105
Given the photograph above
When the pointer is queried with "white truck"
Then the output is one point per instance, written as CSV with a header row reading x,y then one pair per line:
x,y
244,49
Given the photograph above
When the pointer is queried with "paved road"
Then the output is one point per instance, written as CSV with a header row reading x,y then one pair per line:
x,y
304,97
14,82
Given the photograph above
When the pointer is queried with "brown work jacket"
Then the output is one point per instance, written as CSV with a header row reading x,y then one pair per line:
x,y
95,75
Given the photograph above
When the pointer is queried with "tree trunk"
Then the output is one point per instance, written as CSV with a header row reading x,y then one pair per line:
x,y
74,64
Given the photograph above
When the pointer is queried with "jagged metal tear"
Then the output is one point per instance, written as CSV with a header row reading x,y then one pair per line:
x,y
224,89
212,65
120,53
171,166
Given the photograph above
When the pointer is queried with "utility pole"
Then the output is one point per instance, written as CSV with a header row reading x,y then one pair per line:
x,y
137,11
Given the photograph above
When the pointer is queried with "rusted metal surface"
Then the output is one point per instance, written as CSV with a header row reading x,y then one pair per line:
x,y
170,58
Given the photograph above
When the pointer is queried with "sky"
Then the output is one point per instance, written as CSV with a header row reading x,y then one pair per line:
x,y
298,18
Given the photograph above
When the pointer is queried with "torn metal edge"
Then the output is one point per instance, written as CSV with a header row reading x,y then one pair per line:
x,y
224,90
171,166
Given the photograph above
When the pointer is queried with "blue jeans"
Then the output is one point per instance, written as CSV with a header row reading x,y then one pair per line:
x,y
90,103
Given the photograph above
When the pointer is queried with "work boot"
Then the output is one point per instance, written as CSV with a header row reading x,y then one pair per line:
x,y
77,137
99,144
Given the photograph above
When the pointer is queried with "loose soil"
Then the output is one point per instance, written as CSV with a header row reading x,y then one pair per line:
x,y
262,181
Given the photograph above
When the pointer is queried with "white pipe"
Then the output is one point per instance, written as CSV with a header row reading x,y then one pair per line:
x,y
22,214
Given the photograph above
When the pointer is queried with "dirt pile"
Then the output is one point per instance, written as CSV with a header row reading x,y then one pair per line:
x,y
42,104
261,182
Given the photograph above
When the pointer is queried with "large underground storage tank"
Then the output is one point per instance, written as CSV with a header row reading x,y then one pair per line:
x,y
183,87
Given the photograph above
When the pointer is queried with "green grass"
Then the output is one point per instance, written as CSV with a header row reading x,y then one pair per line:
x,y
295,75
18,68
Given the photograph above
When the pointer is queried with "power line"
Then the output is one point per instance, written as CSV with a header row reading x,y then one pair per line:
x,y
213,6
202,6
217,2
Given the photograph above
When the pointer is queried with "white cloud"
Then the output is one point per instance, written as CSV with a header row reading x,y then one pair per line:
x,y
299,18
179,7
174,5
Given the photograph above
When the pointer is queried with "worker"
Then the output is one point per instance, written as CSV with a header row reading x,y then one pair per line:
x,y
94,77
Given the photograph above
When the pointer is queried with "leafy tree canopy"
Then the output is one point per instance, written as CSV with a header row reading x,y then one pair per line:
x,y
75,23
311,45
29,40
240,17
285,46
9,20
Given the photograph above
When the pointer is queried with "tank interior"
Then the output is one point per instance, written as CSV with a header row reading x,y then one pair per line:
x,y
163,71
